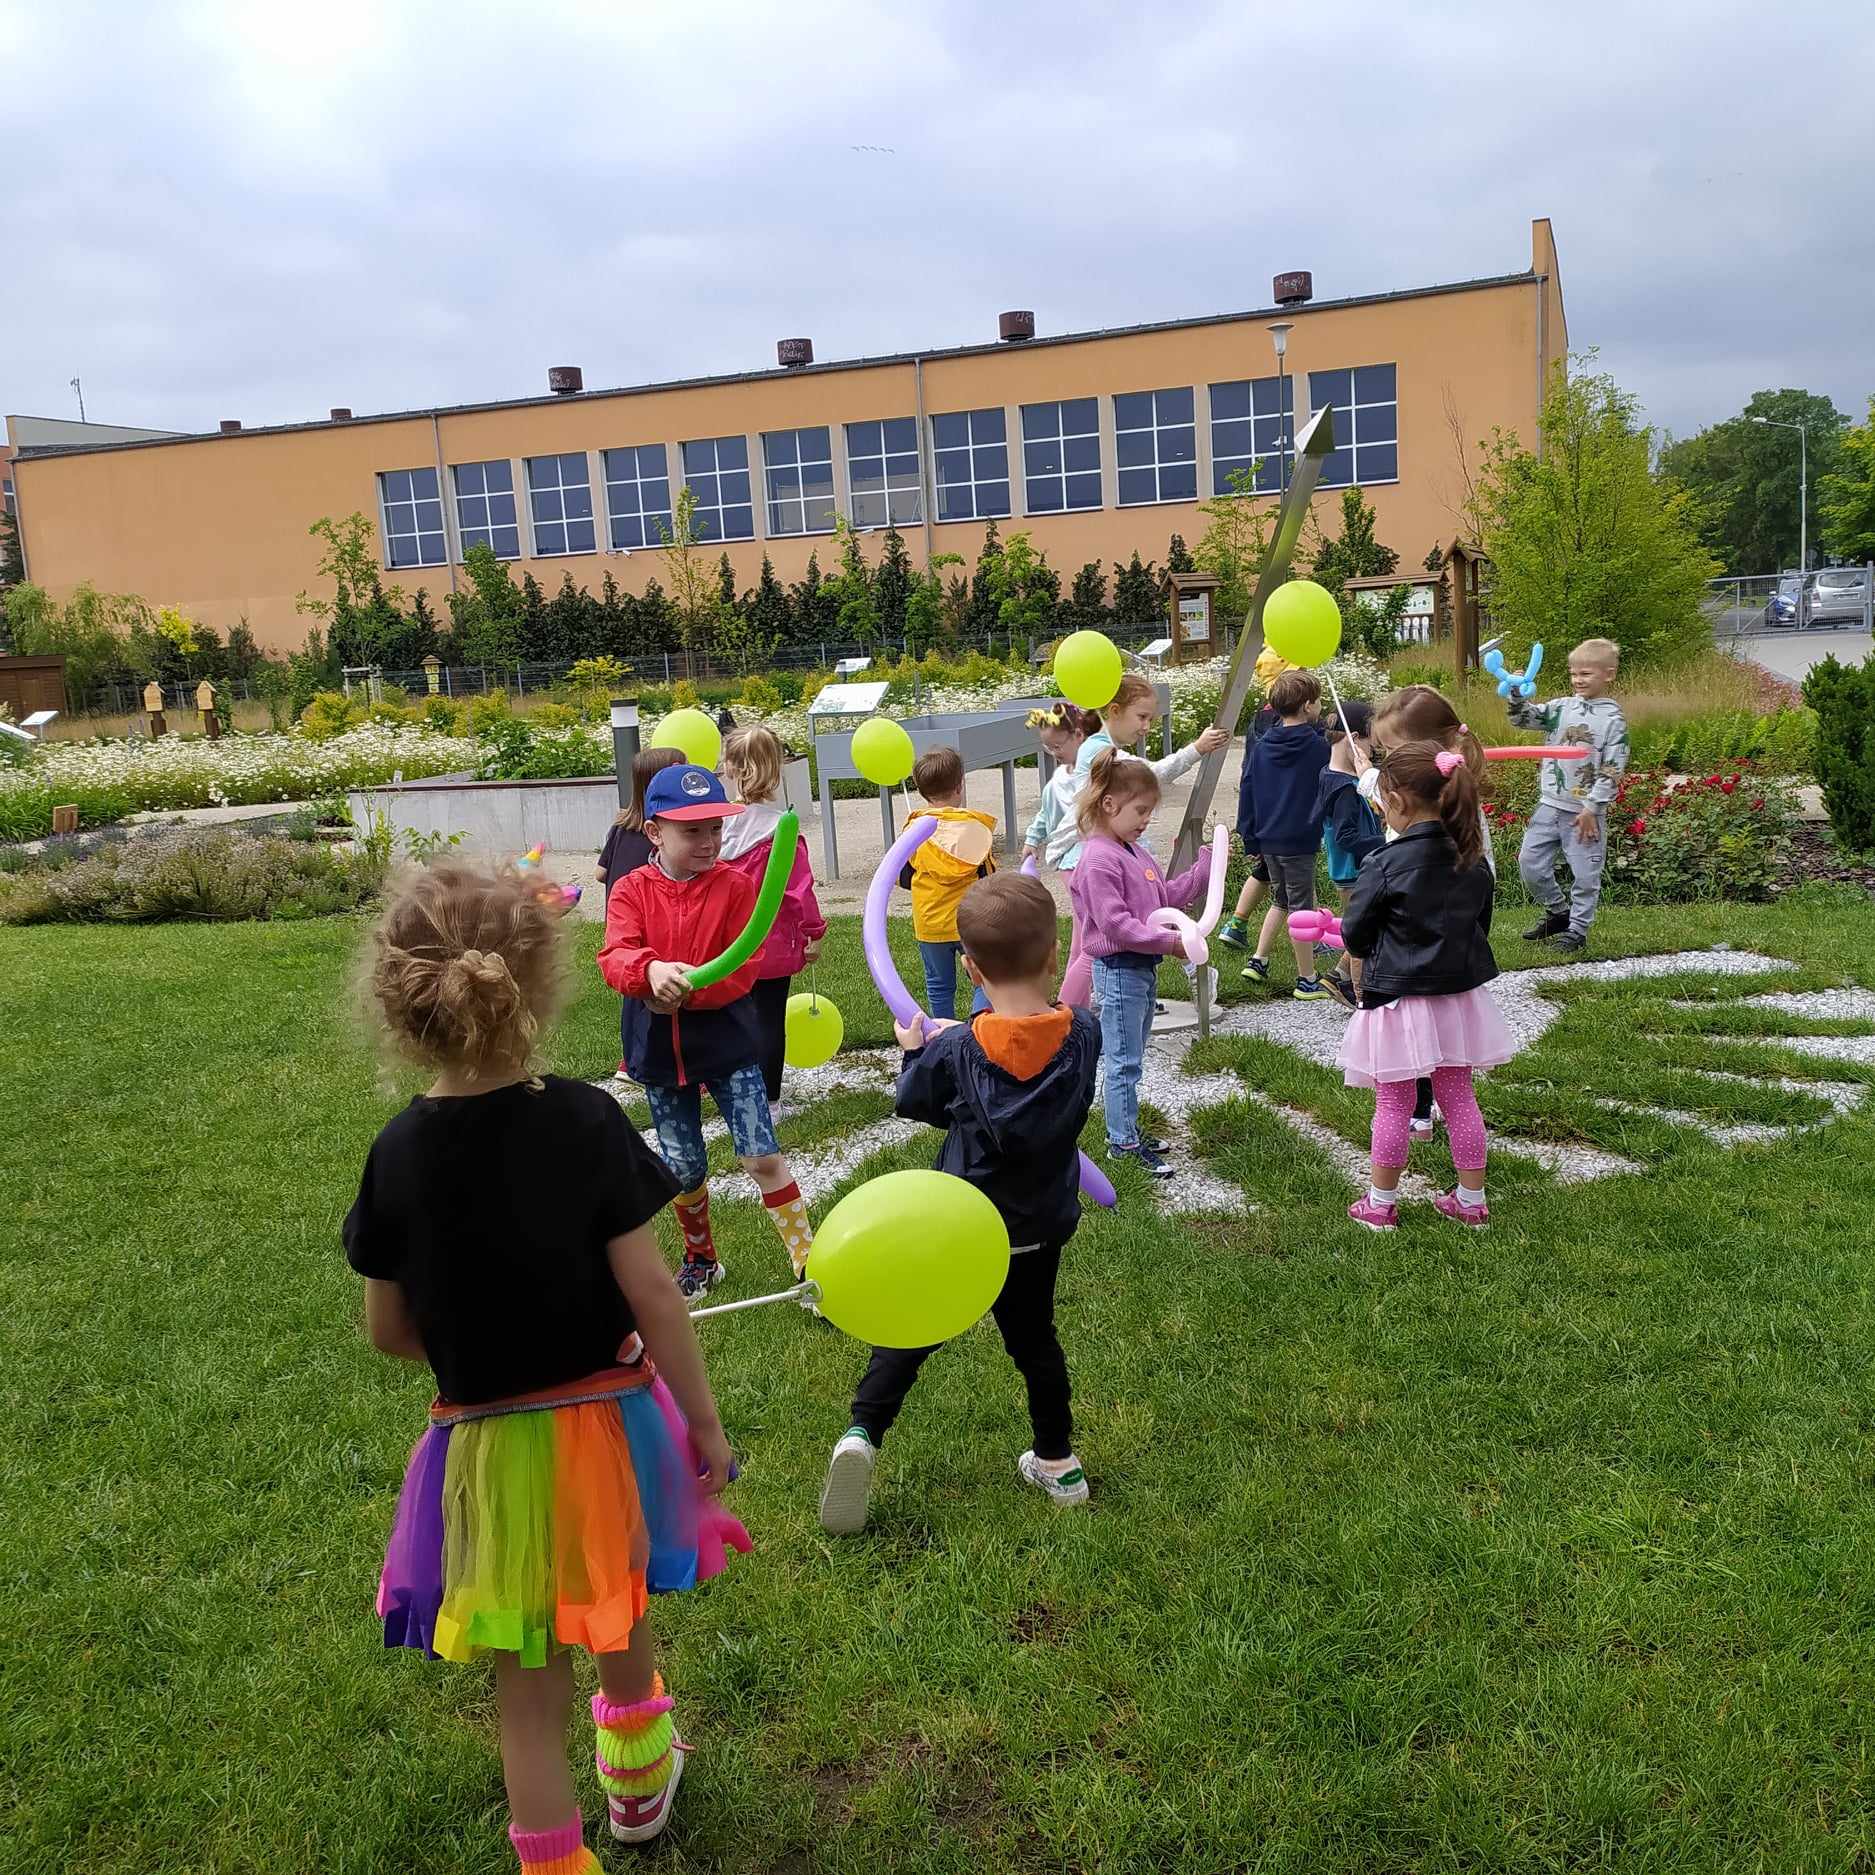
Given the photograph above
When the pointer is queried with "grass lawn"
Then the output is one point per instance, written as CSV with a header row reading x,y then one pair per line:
x,y
1544,1548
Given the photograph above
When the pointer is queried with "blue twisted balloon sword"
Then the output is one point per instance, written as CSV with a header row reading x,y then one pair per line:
x,y
1313,443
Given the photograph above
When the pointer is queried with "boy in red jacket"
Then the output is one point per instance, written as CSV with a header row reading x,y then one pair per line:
x,y
683,909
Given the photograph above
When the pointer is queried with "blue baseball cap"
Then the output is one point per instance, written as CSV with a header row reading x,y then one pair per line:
x,y
688,794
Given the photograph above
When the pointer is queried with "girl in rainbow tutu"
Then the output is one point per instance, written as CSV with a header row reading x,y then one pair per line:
x,y
504,1230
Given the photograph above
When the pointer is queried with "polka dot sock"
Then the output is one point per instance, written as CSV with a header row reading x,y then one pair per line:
x,y
693,1213
787,1210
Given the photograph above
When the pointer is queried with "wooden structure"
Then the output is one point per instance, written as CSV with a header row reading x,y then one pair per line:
x,y
1194,637
153,707
29,684
1449,600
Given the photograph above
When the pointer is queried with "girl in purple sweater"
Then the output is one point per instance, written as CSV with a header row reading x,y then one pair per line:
x,y
1116,887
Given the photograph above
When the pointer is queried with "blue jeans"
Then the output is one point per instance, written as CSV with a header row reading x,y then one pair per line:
x,y
940,981
677,1113
1127,992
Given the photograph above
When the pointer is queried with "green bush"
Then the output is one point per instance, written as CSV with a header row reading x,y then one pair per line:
x,y
511,750
329,712
1843,697
448,714
202,873
1417,671
489,708
553,716
1783,743
759,696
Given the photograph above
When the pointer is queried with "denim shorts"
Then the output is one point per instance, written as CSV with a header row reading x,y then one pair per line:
x,y
677,1113
1292,880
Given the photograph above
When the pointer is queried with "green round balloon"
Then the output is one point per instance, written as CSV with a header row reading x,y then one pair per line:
x,y
811,1031
909,1259
1088,669
1302,623
882,751
692,735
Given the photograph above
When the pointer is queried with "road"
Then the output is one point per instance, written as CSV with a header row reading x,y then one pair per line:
x,y
1791,654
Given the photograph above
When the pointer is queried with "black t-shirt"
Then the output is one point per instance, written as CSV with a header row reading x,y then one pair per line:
x,y
493,1211
625,850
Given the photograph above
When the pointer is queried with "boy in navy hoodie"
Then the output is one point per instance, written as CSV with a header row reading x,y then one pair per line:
x,y
1279,815
1012,1088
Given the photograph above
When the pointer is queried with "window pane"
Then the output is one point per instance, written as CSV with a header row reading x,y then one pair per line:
x,y
987,426
953,503
783,482
1041,459
546,504
423,484
507,542
1179,444
1132,447
1337,468
1132,410
578,503
580,537
1082,452
817,444
990,463
707,525
1380,423
993,498
781,446
1230,400
550,539
907,507
396,484
868,510
498,477
1379,462
1269,436
500,509
817,479
953,467
1328,387
783,517
469,478
699,458
1222,469
1179,483
1173,406
628,531
1041,420
951,431
738,523
902,468
1080,416
865,482
1045,496
901,434
819,514
736,486
655,494
1230,439
1269,478
863,439
732,452
1084,491
1137,485
430,516
1373,384
705,488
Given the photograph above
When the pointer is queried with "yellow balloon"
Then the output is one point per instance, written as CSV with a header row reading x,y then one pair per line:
x,y
1302,623
882,751
692,734
909,1259
1088,669
811,1031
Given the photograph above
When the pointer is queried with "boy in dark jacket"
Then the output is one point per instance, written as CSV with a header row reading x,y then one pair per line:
x,y
1012,1088
1279,816
683,909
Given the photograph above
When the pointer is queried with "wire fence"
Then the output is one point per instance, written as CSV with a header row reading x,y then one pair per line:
x,y
1832,598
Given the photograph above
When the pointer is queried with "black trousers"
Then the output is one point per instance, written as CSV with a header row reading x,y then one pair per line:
x,y
1025,1313
1422,1098
771,1017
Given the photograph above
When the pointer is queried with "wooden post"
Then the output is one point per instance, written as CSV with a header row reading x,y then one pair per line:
x,y
432,666
153,707
205,702
65,819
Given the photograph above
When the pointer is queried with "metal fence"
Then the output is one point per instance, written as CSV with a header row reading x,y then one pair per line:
x,y
1788,602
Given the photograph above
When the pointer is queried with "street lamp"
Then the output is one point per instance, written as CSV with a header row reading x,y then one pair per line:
x,y
1803,494
1280,331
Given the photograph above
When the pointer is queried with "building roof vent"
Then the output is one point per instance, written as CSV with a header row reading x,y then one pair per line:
x,y
564,380
231,426
1293,289
1011,326
792,354
341,413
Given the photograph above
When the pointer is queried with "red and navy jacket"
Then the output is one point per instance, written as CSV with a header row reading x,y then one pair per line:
x,y
653,918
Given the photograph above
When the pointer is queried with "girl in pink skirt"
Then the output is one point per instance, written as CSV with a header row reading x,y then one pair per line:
x,y
1419,919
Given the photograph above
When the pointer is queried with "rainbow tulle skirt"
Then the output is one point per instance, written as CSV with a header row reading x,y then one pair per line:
x,y
544,1522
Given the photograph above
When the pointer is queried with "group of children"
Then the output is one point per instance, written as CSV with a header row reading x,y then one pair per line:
x,y
504,1219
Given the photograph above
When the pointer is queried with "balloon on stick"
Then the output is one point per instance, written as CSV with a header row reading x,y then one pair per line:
x,y
883,752
1088,669
1302,623
1028,866
762,918
1537,751
909,1259
812,1031
692,735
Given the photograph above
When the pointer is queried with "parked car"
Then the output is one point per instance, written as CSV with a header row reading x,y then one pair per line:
x,y
1786,603
1839,595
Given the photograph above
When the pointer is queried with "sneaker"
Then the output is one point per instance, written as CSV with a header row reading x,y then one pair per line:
x,y
1450,1204
1309,990
1150,1144
638,1819
1341,989
698,1277
1066,1490
1551,924
1418,1129
1375,1216
1148,1160
849,1484
1570,943
1235,932
1257,970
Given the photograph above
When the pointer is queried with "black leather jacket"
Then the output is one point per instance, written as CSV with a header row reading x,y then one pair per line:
x,y
1420,924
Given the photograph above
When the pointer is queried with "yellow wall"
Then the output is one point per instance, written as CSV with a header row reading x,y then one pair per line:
x,y
217,525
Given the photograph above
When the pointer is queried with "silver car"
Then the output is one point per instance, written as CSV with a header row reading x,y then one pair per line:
x,y
1839,595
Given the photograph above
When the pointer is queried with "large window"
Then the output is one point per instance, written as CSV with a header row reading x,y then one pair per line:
x,y
1155,443
716,469
485,515
638,495
970,451
560,495
799,465
882,472
12,506
1252,420
1367,424
1061,455
413,518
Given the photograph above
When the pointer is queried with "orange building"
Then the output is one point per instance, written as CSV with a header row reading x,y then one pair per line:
x,y
1097,443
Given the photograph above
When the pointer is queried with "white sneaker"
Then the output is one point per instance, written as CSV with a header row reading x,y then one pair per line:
x,y
1066,1490
1417,1128
843,1498
639,1819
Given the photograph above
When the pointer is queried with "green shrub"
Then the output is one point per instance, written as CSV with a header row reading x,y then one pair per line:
x,y
511,750
1783,743
208,873
489,708
448,714
329,712
553,716
1417,671
1843,697
759,696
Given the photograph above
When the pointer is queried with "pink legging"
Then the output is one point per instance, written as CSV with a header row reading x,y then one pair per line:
x,y
1077,985
1464,1124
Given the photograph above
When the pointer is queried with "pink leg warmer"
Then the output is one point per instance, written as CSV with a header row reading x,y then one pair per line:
x,y
1393,1108
1464,1124
1077,986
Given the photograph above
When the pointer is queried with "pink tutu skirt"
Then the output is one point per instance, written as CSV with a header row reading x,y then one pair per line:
x,y
1403,1041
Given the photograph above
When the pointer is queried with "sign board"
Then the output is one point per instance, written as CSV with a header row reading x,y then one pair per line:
x,y
848,700
1419,601
1157,649
38,720
851,667
1194,617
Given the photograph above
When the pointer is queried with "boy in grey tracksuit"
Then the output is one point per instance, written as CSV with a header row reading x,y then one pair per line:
x,y
1572,814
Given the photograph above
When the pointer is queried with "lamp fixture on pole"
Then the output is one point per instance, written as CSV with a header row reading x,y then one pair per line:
x,y
1803,491
1279,330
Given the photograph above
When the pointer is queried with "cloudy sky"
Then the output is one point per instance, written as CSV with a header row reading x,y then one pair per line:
x,y
260,210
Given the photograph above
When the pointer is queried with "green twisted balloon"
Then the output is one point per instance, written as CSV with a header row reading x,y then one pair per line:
x,y
767,903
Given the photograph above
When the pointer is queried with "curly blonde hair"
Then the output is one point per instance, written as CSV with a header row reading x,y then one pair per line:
x,y
464,968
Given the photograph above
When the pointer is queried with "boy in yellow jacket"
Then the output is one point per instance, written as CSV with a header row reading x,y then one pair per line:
x,y
941,871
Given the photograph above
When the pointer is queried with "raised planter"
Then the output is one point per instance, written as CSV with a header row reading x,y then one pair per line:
x,y
497,816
